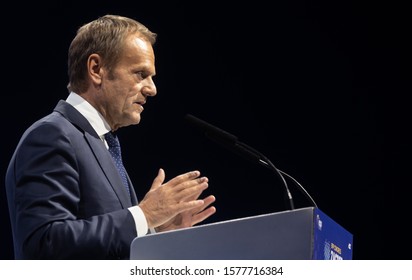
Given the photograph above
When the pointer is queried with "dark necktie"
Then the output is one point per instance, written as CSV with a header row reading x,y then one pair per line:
x,y
115,151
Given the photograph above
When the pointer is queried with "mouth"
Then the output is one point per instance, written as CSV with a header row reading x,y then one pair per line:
x,y
142,102
140,105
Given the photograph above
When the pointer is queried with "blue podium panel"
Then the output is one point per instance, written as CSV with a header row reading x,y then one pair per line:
x,y
331,241
288,235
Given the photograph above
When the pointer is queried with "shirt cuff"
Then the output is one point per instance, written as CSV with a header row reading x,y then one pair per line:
x,y
140,220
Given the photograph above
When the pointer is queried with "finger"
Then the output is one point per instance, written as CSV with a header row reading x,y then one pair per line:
x,y
200,217
198,214
183,178
195,194
191,190
188,206
207,201
158,181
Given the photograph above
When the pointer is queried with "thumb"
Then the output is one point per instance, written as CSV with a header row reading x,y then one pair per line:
x,y
158,181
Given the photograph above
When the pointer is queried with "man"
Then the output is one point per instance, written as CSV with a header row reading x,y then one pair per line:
x,y
66,197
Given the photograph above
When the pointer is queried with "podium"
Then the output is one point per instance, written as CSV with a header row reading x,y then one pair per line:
x,y
300,234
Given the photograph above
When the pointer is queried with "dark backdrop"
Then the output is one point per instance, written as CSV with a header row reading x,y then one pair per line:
x,y
319,87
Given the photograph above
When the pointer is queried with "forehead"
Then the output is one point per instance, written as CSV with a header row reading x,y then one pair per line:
x,y
138,50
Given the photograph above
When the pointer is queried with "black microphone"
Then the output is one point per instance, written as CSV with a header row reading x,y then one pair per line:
x,y
232,143
221,137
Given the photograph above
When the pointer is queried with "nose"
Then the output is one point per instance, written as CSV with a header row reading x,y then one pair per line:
x,y
149,89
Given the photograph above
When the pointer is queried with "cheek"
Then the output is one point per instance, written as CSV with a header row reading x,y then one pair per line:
x,y
130,98
133,93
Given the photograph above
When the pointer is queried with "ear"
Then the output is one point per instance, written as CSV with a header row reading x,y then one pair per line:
x,y
94,68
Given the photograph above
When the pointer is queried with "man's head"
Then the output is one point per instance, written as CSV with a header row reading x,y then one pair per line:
x,y
111,63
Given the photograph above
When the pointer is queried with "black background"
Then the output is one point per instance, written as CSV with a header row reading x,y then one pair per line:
x,y
319,87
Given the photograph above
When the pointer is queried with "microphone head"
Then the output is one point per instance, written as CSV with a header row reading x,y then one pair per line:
x,y
211,131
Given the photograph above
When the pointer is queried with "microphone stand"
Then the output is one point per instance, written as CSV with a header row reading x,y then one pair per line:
x,y
231,142
263,160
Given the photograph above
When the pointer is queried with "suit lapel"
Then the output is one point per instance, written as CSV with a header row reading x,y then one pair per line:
x,y
132,192
99,150
106,163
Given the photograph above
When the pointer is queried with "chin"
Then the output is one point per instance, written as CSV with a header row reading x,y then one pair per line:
x,y
132,120
137,119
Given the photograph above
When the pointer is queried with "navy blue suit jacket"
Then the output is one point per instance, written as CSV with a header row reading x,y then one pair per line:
x,y
66,199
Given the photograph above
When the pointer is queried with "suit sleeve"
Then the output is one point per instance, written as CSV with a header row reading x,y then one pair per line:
x,y
49,223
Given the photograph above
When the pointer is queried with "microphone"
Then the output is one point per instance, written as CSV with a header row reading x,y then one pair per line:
x,y
232,143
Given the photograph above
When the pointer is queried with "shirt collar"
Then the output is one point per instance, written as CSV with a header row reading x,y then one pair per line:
x,y
95,119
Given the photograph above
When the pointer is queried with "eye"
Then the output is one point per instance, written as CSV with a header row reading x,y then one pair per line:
x,y
140,75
